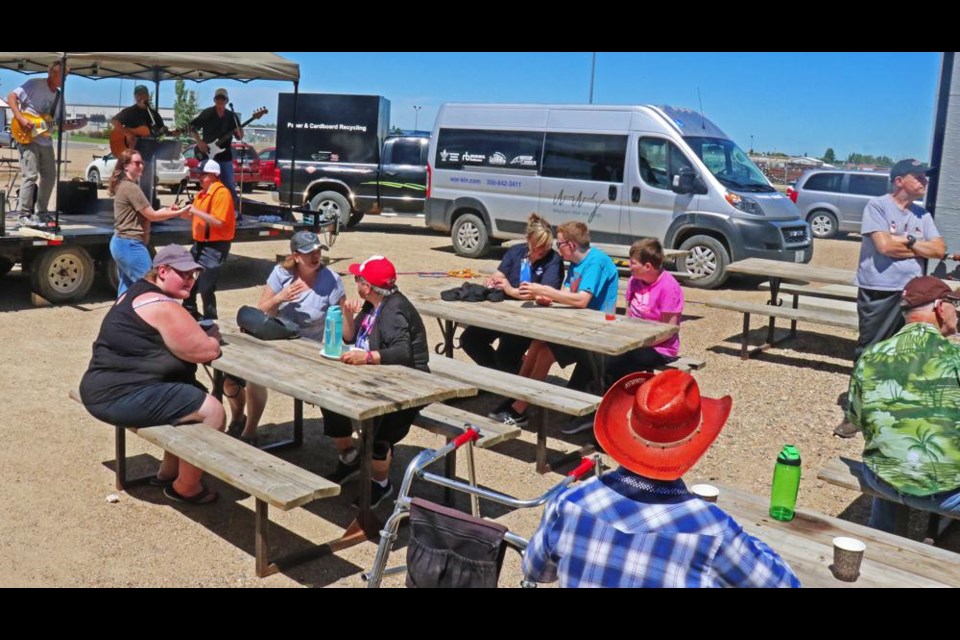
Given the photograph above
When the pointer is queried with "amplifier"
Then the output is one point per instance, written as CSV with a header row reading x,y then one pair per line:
x,y
77,197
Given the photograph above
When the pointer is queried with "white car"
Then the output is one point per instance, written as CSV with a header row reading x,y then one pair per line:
x,y
170,173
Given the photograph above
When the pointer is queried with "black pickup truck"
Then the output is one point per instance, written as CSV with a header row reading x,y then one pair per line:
x,y
346,163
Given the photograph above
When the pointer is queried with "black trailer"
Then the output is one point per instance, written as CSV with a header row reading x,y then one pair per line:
x,y
63,261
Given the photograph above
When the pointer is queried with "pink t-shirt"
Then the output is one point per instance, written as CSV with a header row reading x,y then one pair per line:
x,y
651,301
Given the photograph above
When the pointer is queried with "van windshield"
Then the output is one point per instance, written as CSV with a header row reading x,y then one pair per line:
x,y
729,164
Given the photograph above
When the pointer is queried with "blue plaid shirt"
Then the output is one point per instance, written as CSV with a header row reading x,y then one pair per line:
x,y
624,530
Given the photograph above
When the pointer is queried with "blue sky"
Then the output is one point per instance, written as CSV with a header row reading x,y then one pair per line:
x,y
872,103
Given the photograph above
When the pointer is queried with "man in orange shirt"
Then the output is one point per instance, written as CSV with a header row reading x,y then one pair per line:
x,y
214,223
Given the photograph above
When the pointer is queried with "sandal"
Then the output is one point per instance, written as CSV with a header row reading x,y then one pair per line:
x,y
157,481
204,497
236,425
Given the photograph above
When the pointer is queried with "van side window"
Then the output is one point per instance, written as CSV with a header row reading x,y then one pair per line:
x,y
469,148
584,156
404,152
868,185
829,182
660,160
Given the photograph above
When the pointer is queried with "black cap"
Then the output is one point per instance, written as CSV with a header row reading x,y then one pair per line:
x,y
908,166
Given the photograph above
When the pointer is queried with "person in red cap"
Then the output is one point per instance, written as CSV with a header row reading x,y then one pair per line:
x,y
905,397
639,526
387,330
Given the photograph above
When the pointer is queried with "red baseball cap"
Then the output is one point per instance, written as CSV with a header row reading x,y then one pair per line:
x,y
376,270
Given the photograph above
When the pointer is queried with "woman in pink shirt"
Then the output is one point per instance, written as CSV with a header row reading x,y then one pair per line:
x,y
652,294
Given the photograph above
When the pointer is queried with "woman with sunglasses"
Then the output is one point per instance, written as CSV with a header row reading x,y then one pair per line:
x,y
546,267
300,290
132,215
144,365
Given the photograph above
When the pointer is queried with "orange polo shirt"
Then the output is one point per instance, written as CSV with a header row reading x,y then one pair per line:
x,y
218,202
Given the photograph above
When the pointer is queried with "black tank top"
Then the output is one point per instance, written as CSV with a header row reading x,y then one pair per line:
x,y
129,353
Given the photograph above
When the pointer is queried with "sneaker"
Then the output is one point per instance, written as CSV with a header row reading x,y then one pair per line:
x,y
578,424
846,429
32,220
345,472
510,417
377,495
500,408
235,428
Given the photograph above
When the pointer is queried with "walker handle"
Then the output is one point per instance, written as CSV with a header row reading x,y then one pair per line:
x,y
472,434
586,465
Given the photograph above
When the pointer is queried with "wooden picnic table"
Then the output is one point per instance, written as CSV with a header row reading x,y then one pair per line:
x,y
361,393
806,543
580,328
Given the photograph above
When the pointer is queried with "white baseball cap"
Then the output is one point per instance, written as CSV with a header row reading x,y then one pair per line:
x,y
211,166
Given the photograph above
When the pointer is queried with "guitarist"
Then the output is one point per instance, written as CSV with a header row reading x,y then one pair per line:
x,y
215,122
38,97
141,114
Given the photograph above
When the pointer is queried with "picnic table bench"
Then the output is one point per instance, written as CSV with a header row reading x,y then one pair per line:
x,y
542,395
847,473
269,479
819,315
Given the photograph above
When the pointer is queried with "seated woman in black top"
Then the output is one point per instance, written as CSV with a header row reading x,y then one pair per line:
x,y
387,330
546,267
144,364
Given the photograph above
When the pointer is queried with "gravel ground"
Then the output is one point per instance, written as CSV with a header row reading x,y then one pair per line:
x,y
59,529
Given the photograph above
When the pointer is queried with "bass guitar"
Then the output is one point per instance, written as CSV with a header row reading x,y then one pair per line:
x,y
222,143
42,126
119,141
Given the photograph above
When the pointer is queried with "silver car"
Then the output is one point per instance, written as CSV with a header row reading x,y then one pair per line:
x,y
170,173
832,200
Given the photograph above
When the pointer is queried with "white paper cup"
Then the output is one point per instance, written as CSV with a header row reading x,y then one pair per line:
x,y
706,491
847,557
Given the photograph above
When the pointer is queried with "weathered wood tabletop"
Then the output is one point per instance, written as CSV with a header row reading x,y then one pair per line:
x,y
806,543
581,328
295,368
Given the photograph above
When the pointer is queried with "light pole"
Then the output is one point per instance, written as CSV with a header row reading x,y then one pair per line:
x,y
751,143
593,70
416,116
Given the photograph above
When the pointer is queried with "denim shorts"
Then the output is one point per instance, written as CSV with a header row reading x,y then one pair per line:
x,y
151,405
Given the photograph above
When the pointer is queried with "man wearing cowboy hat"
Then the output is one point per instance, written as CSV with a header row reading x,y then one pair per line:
x,y
638,526
905,397
214,225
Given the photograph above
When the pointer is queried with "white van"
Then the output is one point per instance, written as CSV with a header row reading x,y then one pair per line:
x,y
627,171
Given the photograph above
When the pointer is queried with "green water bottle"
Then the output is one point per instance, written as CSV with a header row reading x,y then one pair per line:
x,y
786,483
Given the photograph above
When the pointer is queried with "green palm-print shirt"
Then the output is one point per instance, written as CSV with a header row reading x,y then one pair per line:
x,y
905,397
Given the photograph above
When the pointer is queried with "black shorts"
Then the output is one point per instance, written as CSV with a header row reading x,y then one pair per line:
x,y
151,405
566,356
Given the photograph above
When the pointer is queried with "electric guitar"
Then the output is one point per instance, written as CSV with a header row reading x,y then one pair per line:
x,y
42,126
222,143
119,141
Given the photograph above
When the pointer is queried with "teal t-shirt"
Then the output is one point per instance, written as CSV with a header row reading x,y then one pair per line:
x,y
597,274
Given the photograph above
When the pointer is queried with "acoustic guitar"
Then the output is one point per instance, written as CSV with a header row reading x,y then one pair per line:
x,y
222,143
119,141
42,126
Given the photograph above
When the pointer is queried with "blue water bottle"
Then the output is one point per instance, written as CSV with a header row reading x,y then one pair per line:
x,y
525,271
333,332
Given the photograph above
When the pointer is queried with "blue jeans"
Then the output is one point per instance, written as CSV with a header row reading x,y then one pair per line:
x,y
133,261
229,180
883,513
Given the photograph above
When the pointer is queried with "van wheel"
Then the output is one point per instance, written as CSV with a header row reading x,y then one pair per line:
x,y
62,274
355,219
708,260
332,203
469,236
823,224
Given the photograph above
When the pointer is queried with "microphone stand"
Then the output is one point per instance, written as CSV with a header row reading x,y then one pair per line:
x,y
243,155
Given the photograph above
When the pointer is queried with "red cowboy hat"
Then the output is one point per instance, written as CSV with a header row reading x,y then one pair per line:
x,y
658,425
